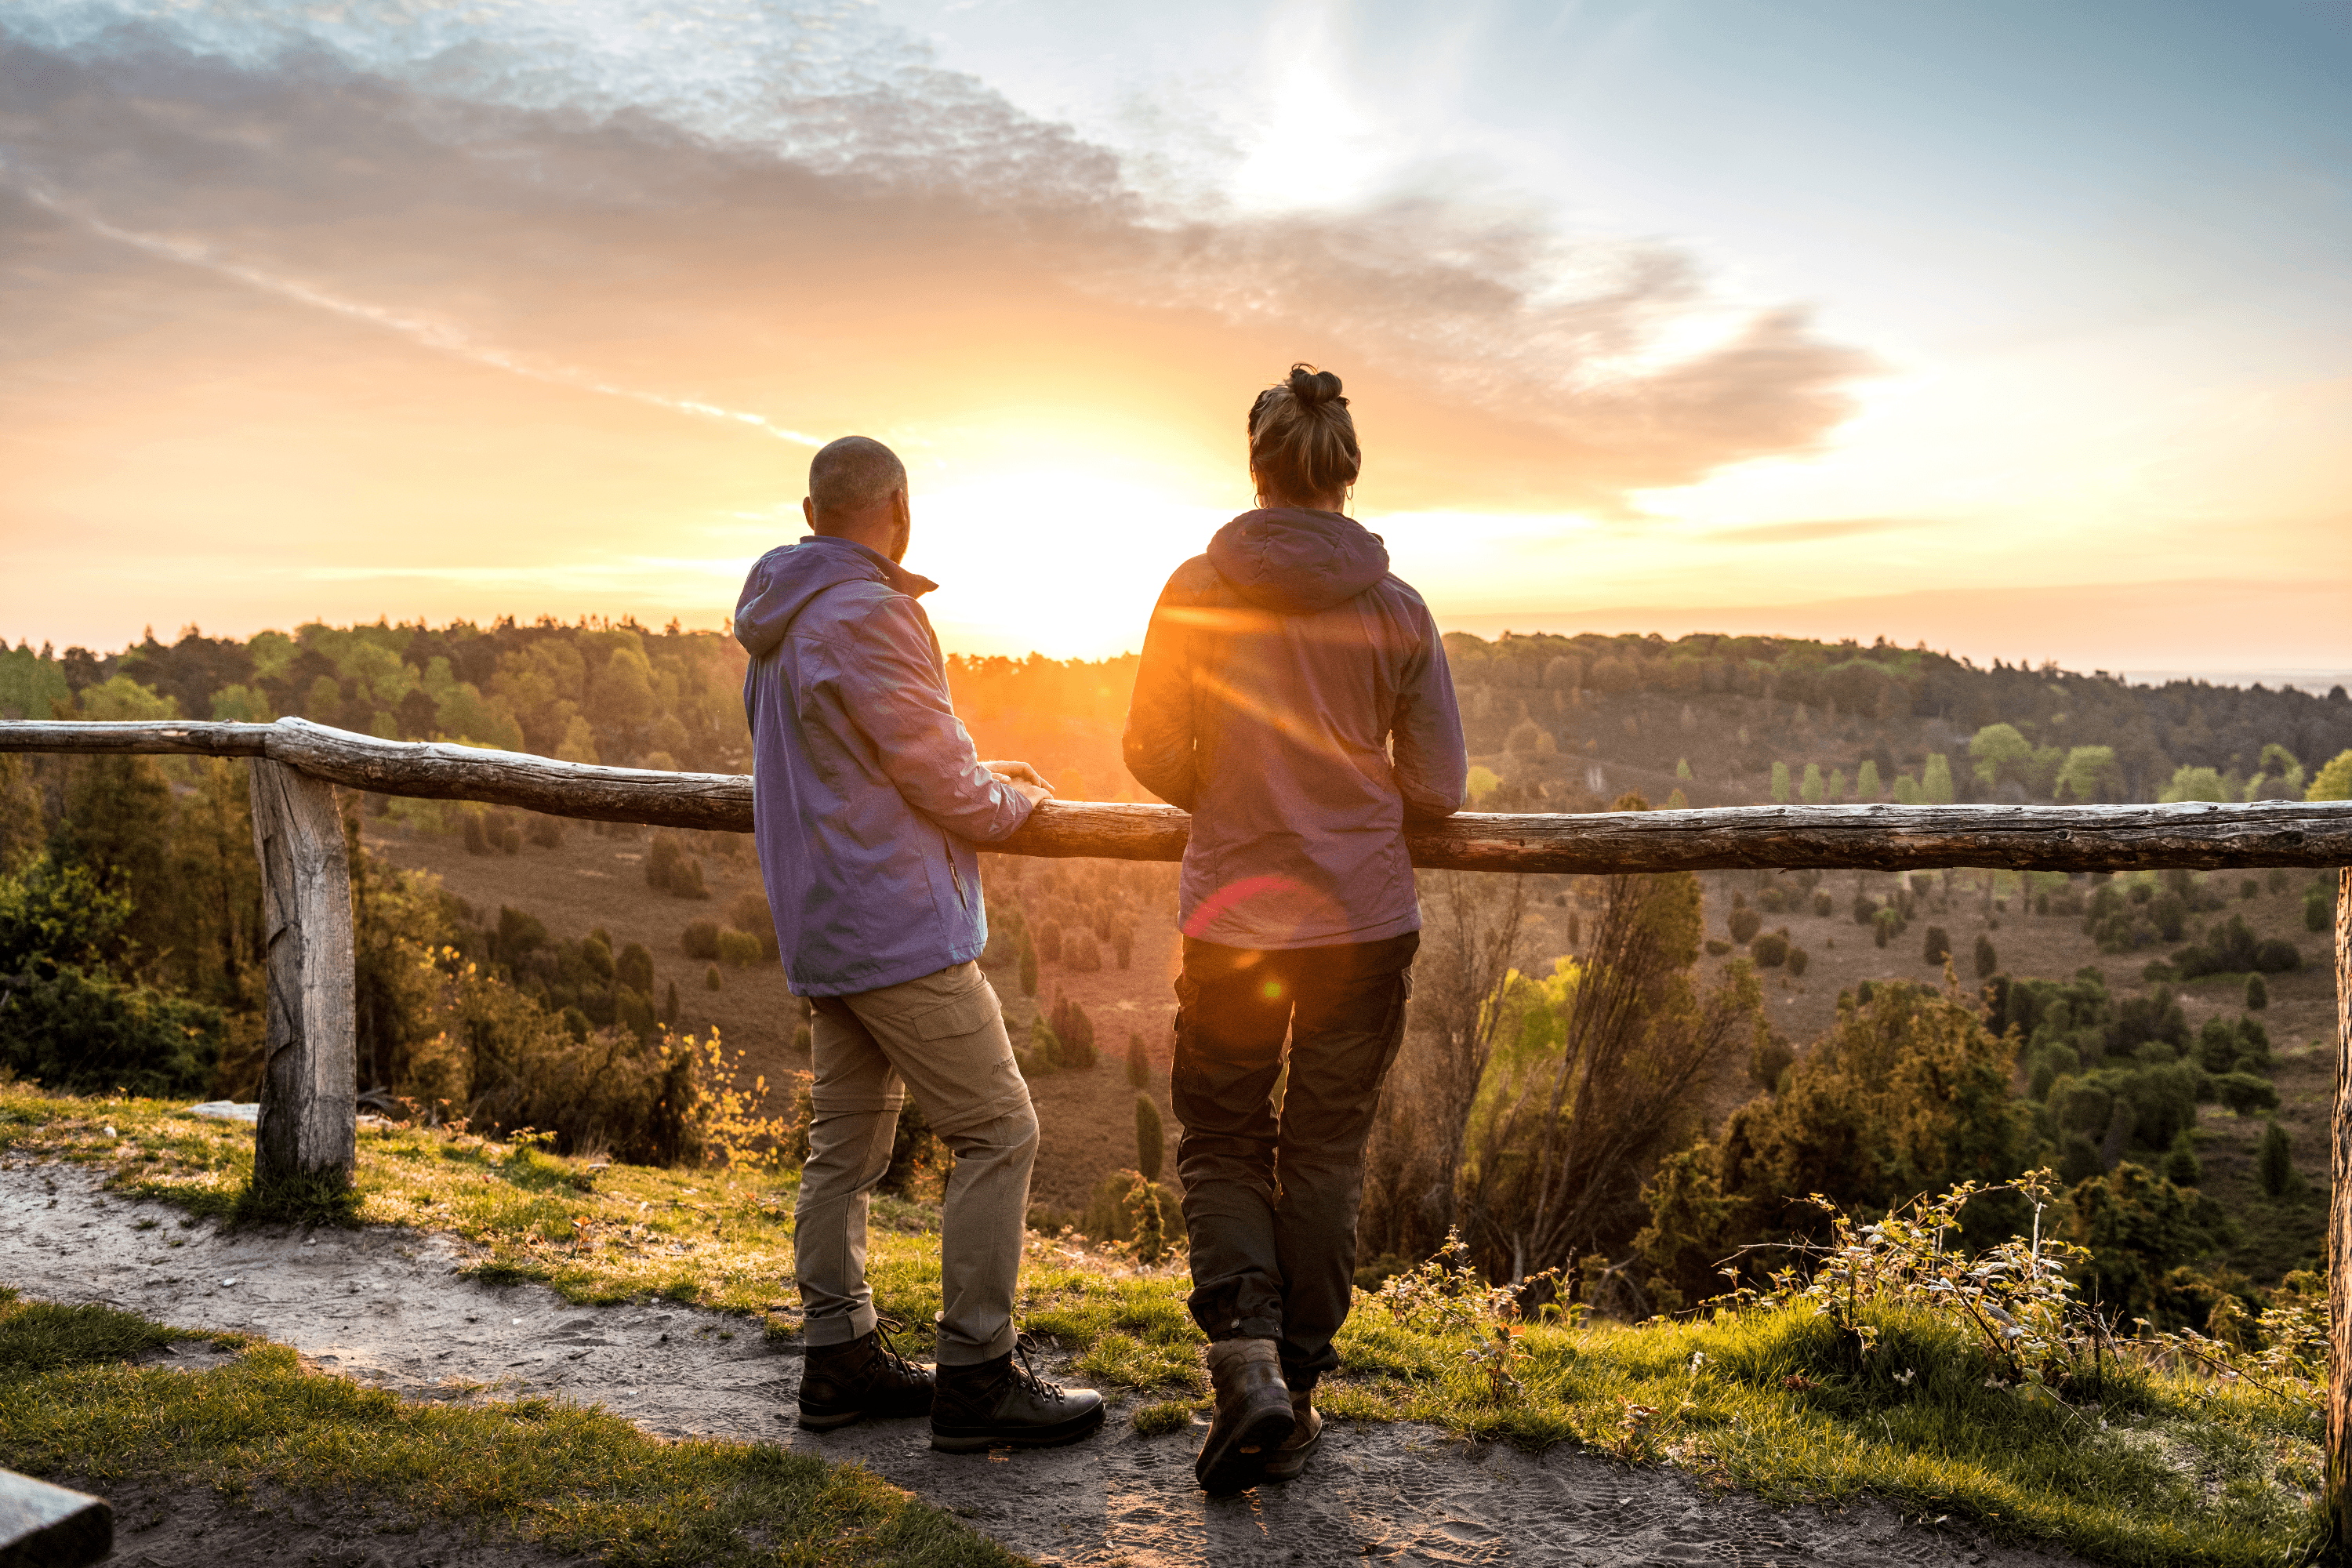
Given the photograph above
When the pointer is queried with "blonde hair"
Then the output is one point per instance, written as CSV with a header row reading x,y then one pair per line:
x,y
1302,440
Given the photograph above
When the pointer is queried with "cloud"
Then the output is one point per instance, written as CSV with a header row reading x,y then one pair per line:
x,y
1805,531
808,227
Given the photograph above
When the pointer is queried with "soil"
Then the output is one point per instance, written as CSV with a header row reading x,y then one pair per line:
x,y
160,1525
383,1306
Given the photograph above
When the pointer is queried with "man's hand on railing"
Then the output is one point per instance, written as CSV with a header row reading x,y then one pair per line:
x,y
1027,781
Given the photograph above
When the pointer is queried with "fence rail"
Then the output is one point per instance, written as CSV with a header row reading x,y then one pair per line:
x,y
2202,834
309,1112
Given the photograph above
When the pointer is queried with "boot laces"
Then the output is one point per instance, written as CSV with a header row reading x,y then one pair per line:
x,y
1025,1371
886,1330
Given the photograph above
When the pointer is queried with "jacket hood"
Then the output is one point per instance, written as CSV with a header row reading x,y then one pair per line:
x,y
784,580
1297,562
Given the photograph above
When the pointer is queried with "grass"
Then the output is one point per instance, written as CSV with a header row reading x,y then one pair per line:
x,y
567,1478
2156,1468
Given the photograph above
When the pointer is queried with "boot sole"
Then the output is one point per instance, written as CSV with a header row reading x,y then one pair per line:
x,y
827,1423
975,1442
1286,1466
1223,1469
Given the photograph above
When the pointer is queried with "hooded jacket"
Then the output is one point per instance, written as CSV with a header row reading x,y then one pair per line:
x,y
1294,697
867,795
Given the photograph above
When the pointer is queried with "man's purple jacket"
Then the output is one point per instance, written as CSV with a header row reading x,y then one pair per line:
x,y
1294,697
866,793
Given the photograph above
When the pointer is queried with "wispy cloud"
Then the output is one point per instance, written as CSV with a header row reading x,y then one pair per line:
x,y
441,336
1804,532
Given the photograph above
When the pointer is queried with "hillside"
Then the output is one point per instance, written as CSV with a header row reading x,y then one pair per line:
x,y
1560,723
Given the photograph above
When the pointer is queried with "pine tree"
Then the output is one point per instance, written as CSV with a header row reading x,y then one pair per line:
x,y
1936,787
1865,781
2258,993
1028,967
2276,1164
1781,782
1139,1063
1987,959
1150,1138
669,1005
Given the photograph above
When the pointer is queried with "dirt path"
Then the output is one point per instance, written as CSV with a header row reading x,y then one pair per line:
x,y
383,1306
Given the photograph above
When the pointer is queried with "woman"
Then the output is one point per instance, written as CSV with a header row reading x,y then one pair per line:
x,y
1294,697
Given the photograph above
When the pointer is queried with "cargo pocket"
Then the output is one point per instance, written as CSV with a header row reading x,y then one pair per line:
x,y
966,1015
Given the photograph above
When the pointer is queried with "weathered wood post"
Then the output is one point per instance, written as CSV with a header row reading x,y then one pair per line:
x,y
2338,1546
310,1088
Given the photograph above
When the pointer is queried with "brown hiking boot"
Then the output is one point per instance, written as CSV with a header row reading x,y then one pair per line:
x,y
867,1376
1252,1416
1307,1430
1004,1403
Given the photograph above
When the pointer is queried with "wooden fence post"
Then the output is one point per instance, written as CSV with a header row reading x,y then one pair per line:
x,y
2339,1246
309,1088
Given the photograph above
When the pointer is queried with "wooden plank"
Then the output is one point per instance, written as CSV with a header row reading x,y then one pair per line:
x,y
310,1088
2338,1500
44,1526
1875,838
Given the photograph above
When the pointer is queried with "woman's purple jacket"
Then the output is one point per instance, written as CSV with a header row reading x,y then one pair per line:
x,y
867,795
1294,697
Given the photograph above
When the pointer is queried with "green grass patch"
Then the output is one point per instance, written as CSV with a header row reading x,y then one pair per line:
x,y
2154,1467
1163,1416
569,1478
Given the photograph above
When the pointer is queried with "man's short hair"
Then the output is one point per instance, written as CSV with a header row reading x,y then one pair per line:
x,y
852,475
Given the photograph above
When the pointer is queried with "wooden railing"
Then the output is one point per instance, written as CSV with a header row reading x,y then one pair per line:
x,y
308,1094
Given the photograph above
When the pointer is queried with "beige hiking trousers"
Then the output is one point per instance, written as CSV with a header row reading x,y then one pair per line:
x,y
942,1037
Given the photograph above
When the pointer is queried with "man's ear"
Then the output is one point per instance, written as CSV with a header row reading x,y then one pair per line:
x,y
902,522
808,512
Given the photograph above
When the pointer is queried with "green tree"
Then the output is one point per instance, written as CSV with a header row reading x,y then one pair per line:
x,y
2258,993
2334,779
1683,769
1028,966
1938,947
21,832
1866,786
1936,784
2276,1164
2090,775
2194,783
1908,1093
2181,1166
1987,960
1907,790
2138,1228
1781,782
1998,750
1810,792
1150,1138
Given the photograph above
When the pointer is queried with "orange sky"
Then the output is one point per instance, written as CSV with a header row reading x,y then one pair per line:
x,y
292,339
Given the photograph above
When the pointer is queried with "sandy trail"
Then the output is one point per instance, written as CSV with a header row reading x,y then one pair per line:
x,y
384,1305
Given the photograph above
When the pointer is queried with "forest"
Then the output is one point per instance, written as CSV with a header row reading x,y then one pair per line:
x,y
1564,1107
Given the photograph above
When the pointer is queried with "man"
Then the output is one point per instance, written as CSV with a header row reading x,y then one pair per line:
x,y
868,798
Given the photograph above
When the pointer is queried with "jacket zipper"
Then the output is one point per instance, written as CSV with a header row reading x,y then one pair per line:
x,y
953,875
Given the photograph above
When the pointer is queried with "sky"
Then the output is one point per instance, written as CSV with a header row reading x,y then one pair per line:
x,y
2022,330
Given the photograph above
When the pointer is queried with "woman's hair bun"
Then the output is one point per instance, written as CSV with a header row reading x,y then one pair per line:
x,y
1313,387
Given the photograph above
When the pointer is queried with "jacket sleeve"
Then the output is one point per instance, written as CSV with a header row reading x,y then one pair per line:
x,y
1158,745
892,690
1431,764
